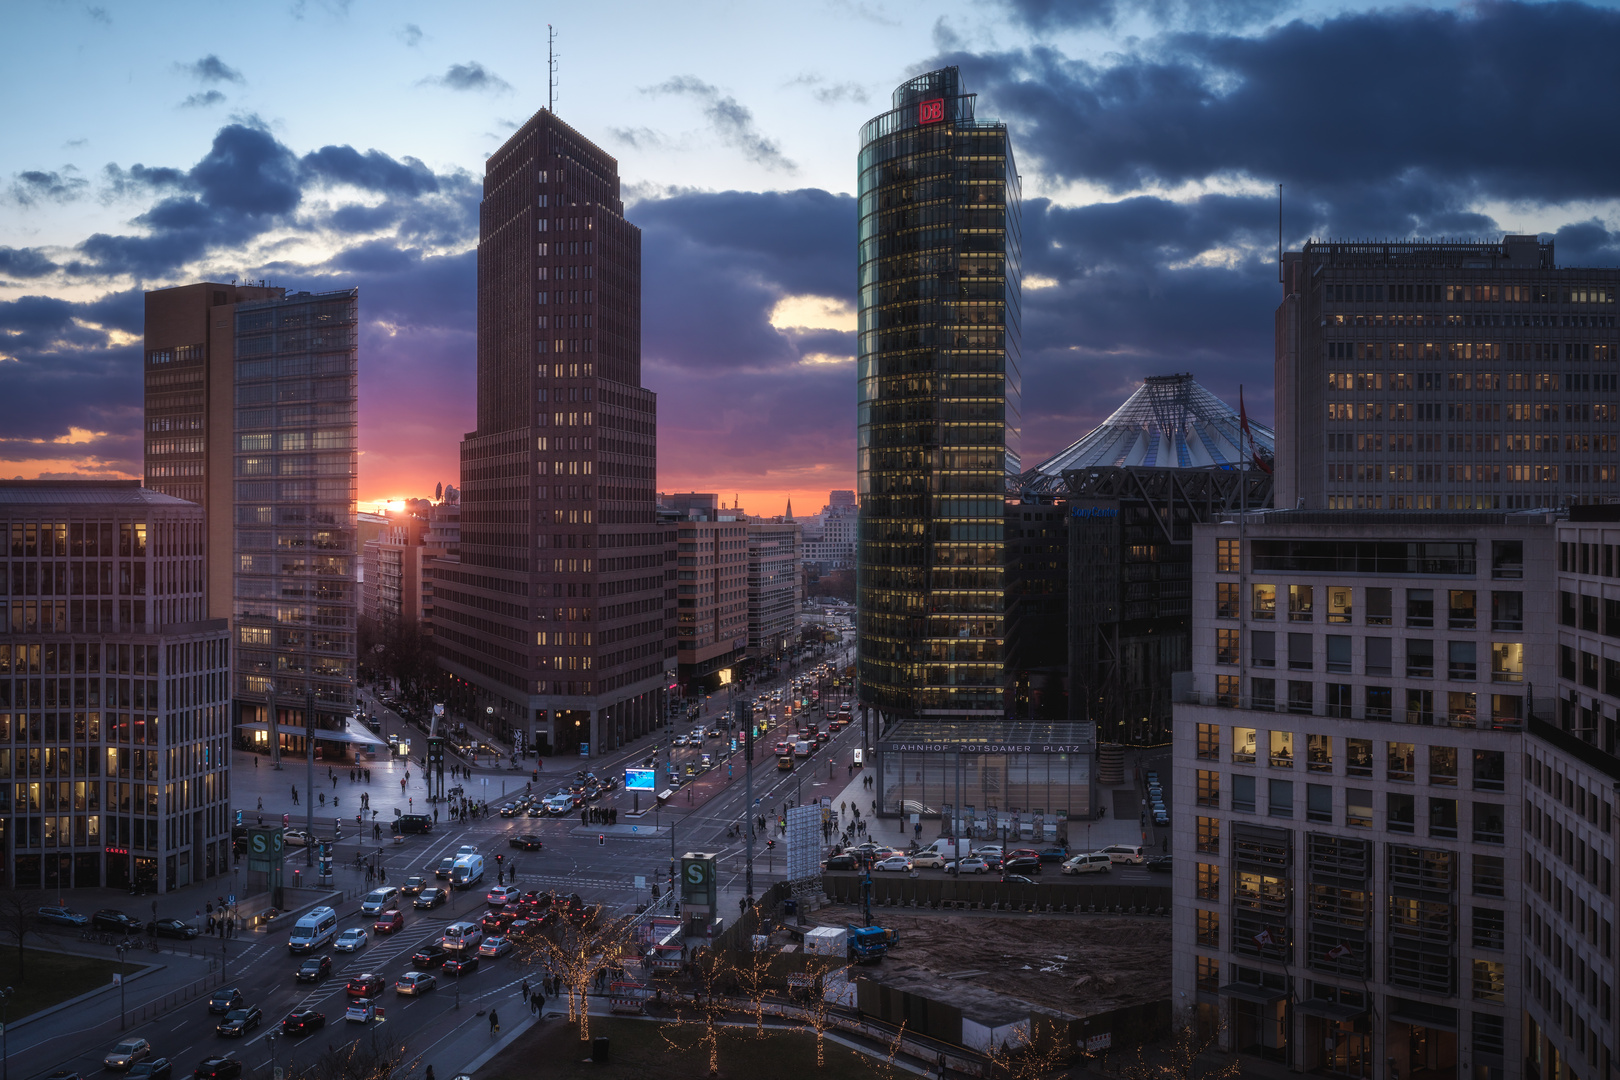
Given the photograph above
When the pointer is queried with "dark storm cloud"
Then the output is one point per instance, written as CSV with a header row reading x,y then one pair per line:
x,y
211,69
24,263
469,76
38,185
730,119
373,171
1048,15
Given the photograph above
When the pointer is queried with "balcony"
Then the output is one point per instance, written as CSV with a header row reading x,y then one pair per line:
x,y
1340,711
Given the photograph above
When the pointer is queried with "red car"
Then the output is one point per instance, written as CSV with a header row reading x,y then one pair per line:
x,y
365,986
388,922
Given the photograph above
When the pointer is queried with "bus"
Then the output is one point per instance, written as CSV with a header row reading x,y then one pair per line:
x,y
314,930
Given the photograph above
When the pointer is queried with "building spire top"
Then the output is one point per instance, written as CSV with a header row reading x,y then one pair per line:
x,y
790,508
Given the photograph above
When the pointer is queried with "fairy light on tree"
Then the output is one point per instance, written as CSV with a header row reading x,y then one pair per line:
x,y
705,1012
1184,1059
576,943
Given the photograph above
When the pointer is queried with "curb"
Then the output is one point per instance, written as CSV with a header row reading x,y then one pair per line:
x,y
500,1044
146,970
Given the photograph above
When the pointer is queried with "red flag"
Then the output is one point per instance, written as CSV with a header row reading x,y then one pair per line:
x,y
1338,951
1243,416
1263,938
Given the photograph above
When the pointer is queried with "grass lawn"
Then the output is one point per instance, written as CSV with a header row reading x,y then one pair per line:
x,y
638,1050
47,978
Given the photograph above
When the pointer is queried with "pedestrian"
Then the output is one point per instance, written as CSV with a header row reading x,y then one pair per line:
x,y
584,817
534,1005
494,1022
261,802
255,761
435,815
295,794
368,775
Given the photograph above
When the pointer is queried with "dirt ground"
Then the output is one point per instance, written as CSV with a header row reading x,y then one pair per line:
x,y
1079,965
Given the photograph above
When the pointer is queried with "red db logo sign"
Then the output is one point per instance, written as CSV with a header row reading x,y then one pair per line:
x,y
931,111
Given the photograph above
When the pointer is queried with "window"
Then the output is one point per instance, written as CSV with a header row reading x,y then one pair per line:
x,y
1227,647
1460,661
1566,608
1263,602
1419,607
1299,603
1443,818
1263,648
1507,611
1378,655
1420,706
1209,742
1490,981
1280,798
1338,700
1318,802
1227,688
1282,749
1243,744
1358,808
1507,559
1319,753
1209,881
1226,556
1443,766
1490,929
1209,787
1507,661
1401,812
1358,757
1299,652
1379,702
1263,694
1378,607
1400,762
1460,709
1506,709
1209,835
1300,697
1226,600
1242,792
1490,770
1209,930
1489,823
1209,973
1490,875
1419,658
1338,653
1461,613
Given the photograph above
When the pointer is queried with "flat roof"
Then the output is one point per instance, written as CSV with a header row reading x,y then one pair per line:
x,y
86,493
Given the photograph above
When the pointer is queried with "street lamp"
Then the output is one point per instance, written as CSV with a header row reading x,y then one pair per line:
x,y
123,1020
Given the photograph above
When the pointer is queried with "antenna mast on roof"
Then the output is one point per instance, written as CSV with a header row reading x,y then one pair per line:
x,y
551,69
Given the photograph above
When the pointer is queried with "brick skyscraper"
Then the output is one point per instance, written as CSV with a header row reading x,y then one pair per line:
x,y
556,615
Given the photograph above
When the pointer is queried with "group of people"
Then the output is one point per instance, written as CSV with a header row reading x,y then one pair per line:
x,y
599,815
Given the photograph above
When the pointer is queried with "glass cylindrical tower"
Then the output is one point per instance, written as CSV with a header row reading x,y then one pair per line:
x,y
938,400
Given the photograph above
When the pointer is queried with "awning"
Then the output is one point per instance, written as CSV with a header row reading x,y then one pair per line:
x,y
1250,992
321,734
1330,1010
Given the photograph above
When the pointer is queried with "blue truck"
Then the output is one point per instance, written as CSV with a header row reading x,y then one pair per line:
x,y
869,944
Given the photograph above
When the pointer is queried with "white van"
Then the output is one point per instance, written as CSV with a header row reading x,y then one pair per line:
x,y
462,937
315,929
951,849
1094,863
467,871
1125,853
378,900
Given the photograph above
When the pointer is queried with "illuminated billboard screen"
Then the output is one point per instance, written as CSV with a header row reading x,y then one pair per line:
x,y
640,779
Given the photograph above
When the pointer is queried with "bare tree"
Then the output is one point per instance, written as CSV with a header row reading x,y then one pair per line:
x,y
817,1007
362,1059
756,976
577,945
1184,1058
19,914
1035,1050
703,1015
884,1066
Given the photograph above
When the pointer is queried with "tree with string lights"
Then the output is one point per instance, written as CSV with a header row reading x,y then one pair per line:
x,y
576,942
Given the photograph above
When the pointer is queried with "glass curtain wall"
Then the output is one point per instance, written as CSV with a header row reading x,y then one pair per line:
x,y
938,399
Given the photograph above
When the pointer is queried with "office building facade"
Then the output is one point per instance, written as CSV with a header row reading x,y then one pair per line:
x,y
775,589
937,401
1349,768
711,600
555,611
1438,375
114,691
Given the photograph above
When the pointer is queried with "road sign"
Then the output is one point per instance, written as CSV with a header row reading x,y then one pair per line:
x,y
641,882
231,899
118,980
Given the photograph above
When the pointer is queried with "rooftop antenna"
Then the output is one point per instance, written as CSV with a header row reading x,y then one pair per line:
x,y
551,69
1279,233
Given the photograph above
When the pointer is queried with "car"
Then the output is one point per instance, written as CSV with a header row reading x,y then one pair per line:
x,y
1125,853
351,940
494,946
1159,864
302,1021
927,859
1023,852
368,985
970,865
1161,818
430,898
239,1022
62,916
152,1069
224,1000
1021,864
127,1053
537,810
1018,879
1092,863
528,841
497,921
841,862
217,1068
466,849
445,865
115,920
294,838
389,922
511,810
1054,854
413,885
172,928
378,901
502,894
415,982
360,1011
894,862
315,969
461,965
430,955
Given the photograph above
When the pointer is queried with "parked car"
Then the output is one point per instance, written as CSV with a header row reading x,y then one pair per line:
x,y
115,920
368,985
492,947
430,955
351,940
127,1053
415,982
1092,863
217,1068
62,916
172,928
315,969
528,841
389,922
239,1022
461,964
302,1021
224,1000
152,1069
430,898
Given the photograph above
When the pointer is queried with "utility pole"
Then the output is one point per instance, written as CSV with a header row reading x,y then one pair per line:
x,y
271,726
745,714
309,757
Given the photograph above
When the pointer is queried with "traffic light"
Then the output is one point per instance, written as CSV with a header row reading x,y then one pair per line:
x,y
499,859
601,839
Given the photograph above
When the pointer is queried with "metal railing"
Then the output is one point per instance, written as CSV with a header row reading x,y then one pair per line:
x,y
1249,703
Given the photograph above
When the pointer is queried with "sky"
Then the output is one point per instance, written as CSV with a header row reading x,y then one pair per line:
x,y
332,143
